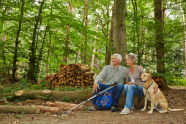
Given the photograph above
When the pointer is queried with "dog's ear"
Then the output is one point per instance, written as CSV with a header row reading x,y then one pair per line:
x,y
149,75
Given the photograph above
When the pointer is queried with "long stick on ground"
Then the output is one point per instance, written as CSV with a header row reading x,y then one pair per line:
x,y
91,97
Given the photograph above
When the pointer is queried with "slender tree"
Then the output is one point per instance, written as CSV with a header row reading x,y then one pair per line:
x,y
86,24
32,67
184,34
110,44
17,42
65,57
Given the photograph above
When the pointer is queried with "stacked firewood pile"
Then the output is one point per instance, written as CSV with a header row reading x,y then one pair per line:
x,y
72,75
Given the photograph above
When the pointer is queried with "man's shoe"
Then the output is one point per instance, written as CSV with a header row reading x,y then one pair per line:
x,y
114,109
125,111
92,108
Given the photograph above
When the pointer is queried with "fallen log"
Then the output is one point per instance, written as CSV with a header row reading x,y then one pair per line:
x,y
48,94
68,105
53,110
19,109
64,106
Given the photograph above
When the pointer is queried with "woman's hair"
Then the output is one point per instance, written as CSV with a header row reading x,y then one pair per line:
x,y
118,56
132,56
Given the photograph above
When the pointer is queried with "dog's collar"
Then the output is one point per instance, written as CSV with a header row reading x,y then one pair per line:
x,y
148,87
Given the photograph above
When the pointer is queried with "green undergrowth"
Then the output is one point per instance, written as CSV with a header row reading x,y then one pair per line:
x,y
177,82
24,84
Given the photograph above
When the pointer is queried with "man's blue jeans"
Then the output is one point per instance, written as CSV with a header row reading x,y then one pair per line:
x,y
130,91
117,92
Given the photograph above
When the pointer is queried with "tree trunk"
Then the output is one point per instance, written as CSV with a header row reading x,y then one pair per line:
x,y
77,55
110,45
66,52
119,28
19,109
86,24
48,94
32,67
41,51
184,34
48,53
93,56
17,43
94,50
159,37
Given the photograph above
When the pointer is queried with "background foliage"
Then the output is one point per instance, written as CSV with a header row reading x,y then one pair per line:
x,y
51,34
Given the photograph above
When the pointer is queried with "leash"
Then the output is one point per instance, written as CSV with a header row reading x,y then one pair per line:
x,y
141,97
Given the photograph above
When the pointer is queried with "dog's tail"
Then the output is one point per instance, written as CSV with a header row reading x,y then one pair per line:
x,y
176,109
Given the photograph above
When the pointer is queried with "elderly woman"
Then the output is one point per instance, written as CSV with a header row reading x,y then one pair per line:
x,y
132,78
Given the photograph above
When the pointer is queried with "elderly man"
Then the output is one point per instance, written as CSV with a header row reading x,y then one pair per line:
x,y
111,73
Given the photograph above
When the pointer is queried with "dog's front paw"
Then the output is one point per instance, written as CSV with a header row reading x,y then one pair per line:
x,y
150,112
143,109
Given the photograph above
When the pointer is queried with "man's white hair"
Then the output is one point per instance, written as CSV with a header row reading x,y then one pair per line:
x,y
118,56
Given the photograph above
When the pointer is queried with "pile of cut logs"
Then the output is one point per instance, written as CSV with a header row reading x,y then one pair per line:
x,y
72,75
55,108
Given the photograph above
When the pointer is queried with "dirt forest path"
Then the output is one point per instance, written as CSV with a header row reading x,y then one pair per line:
x,y
176,98
101,117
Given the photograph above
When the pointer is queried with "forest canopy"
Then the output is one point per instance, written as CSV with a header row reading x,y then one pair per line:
x,y
37,36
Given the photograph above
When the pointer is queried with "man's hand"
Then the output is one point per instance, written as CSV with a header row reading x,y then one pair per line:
x,y
130,83
95,87
155,89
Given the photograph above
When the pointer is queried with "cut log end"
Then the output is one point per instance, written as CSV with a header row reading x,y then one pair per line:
x,y
19,92
46,91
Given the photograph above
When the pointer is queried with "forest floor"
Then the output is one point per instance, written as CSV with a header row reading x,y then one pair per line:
x,y
176,97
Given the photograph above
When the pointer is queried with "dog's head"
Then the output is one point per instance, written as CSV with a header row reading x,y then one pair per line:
x,y
146,77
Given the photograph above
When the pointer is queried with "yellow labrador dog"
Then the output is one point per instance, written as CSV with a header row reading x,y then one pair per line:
x,y
155,99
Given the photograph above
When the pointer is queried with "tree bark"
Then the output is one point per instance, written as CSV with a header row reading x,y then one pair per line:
x,y
66,52
119,28
32,67
19,109
53,110
159,37
17,43
48,94
110,45
86,24
77,55
41,51
184,34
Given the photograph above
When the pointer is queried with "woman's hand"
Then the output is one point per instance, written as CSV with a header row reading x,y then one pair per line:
x,y
95,87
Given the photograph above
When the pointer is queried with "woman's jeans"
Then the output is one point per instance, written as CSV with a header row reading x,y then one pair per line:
x,y
118,89
130,91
